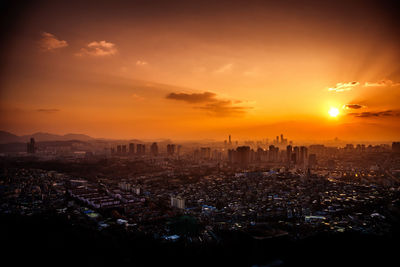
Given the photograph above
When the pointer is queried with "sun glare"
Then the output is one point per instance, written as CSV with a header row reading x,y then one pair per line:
x,y
333,112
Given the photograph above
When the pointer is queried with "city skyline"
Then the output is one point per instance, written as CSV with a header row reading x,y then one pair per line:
x,y
7,137
202,70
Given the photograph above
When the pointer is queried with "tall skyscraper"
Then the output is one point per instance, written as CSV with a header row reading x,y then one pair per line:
x,y
243,155
170,149
396,147
205,153
273,153
230,140
196,155
288,153
140,149
154,149
131,148
303,154
297,154
312,160
30,147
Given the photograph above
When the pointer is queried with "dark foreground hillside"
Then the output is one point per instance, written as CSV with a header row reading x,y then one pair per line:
x,y
52,241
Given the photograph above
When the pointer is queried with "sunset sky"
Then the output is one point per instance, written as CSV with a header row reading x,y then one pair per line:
x,y
202,69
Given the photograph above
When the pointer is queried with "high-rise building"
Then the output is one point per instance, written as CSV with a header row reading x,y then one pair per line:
x,y
154,149
288,153
131,148
124,186
30,147
216,155
243,155
294,158
136,190
283,140
260,155
230,140
312,160
303,154
178,202
123,149
273,153
349,147
231,155
196,155
396,147
119,149
170,149
296,151
140,149
205,153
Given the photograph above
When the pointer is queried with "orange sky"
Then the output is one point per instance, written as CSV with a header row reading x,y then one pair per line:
x,y
199,69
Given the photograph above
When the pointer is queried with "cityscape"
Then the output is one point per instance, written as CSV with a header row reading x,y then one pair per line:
x,y
200,133
199,195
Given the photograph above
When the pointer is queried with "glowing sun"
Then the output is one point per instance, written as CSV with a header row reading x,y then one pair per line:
x,y
333,112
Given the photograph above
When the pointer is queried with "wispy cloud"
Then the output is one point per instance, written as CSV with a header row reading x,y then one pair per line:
x,y
382,83
211,104
50,42
141,63
224,69
48,110
251,73
342,87
98,49
137,97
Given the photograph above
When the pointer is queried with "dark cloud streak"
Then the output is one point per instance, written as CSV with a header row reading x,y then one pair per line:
x,y
48,110
376,114
193,98
353,106
212,105
224,108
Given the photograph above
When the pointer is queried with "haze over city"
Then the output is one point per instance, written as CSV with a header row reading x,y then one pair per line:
x,y
202,69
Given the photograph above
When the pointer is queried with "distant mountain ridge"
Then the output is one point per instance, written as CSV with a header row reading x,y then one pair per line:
x,y
6,137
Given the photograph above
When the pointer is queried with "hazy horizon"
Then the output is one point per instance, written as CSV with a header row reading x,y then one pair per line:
x,y
310,141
